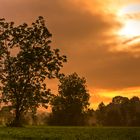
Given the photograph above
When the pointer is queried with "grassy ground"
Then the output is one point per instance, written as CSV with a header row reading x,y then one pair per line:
x,y
69,133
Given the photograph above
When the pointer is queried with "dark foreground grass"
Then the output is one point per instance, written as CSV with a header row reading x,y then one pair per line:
x,y
69,133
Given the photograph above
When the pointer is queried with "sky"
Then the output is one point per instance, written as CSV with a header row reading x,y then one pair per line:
x,y
99,37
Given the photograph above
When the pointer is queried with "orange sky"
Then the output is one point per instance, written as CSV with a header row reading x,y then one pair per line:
x,y
100,38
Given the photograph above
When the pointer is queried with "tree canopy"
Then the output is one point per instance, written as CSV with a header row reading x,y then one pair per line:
x,y
72,101
120,112
26,60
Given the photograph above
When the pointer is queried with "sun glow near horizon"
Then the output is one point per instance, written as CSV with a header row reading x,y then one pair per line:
x,y
106,95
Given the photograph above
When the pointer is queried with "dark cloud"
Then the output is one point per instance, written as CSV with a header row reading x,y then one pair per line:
x,y
84,36
104,69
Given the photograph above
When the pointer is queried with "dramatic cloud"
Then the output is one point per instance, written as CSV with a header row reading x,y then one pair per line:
x,y
87,32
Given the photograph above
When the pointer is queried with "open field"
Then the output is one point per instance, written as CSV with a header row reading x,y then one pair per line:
x,y
69,133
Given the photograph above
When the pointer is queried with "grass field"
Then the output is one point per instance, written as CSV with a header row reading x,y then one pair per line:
x,y
69,133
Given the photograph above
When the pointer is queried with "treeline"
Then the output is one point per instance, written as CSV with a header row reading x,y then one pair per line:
x,y
120,112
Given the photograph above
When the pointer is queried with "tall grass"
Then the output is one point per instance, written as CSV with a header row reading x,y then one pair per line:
x,y
69,133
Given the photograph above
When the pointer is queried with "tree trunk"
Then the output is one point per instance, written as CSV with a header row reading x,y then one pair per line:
x,y
17,122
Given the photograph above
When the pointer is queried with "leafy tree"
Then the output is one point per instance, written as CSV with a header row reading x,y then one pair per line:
x,y
119,100
90,118
5,115
113,115
120,112
71,103
134,111
100,113
24,71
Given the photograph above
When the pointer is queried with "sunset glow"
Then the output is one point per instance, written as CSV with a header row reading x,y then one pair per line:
x,y
131,28
85,31
130,16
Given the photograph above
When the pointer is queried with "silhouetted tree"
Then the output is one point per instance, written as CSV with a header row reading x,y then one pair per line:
x,y
90,118
113,115
122,106
71,103
134,111
119,100
6,115
120,112
100,113
23,73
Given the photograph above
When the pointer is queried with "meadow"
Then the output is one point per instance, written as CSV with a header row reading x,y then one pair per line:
x,y
69,133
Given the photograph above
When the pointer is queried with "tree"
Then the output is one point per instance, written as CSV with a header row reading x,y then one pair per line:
x,y
113,114
100,113
119,100
120,112
71,103
5,115
134,111
23,72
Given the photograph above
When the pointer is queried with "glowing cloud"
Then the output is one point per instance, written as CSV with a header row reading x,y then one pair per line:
x,y
130,16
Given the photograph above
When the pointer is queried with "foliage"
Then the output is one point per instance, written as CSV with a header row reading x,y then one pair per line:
x,y
71,103
26,60
120,112
5,115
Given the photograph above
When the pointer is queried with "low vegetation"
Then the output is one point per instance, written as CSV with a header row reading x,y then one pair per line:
x,y
69,133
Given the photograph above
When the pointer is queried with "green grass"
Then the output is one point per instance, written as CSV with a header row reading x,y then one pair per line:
x,y
69,133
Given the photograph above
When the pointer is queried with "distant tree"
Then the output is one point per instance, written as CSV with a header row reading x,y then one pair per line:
x,y
100,113
134,111
90,118
120,112
71,103
24,71
113,115
119,100
6,115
